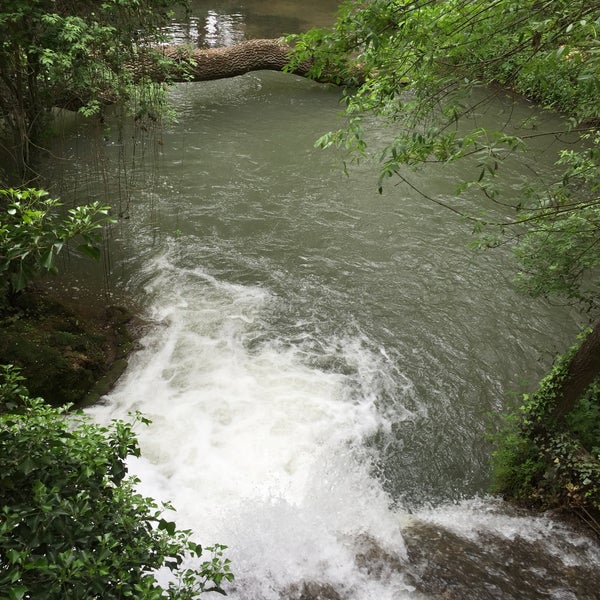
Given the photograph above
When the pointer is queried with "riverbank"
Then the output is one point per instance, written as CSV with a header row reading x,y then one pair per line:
x,y
68,351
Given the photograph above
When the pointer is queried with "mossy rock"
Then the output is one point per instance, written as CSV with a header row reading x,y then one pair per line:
x,y
61,354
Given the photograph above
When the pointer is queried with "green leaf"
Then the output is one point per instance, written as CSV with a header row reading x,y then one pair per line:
x,y
17,593
27,465
21,280
47,260
168,526
90,251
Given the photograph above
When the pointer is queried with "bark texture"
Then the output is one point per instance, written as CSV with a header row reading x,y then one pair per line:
x,y
195,64
178,64
583,369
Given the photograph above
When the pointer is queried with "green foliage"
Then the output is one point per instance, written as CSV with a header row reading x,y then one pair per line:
x,y
32,235
584,420
12,388
549,463
559,254
72,524
77,55
540,406
517,467
416,63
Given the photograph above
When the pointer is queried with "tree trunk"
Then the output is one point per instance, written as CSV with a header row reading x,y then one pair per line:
x,y
583,369
179,64
218,63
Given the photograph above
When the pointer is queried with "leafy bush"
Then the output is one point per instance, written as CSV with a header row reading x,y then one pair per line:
x,y
72,525
584,420
32,235
518,466
416,63
550,462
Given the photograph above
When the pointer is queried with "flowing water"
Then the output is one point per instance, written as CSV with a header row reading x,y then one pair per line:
x,y
324,362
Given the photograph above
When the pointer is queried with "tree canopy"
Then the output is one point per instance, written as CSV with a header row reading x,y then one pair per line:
x,y
66,53
416,63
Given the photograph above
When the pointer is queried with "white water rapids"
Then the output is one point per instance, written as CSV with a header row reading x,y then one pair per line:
x,y
322,360
256,449
266,454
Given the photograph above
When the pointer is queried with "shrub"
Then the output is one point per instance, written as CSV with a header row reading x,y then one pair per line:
x,y
72,524
32,235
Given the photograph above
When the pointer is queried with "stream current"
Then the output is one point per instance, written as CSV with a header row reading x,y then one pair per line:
x,y
324,363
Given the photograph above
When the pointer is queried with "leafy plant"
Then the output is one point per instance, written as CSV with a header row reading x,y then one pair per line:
x,y
584,420
517,464
75,55
32,235
416,63
548,461
12,388
72,524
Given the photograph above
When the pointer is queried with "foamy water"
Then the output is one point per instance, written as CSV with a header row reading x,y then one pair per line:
x,y
263,452
256,449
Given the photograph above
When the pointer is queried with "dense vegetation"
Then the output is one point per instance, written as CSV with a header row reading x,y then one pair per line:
x,y
550,459
72,54
417,63
72,525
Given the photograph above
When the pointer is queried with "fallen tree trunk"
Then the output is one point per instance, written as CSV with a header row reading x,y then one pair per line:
x,y
195,64
179,64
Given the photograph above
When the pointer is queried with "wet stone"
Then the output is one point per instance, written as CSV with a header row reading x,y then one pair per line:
x,y
63,353
311,590
450,567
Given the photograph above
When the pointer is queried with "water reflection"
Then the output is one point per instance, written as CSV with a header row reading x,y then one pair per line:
x,y
223,29
211,24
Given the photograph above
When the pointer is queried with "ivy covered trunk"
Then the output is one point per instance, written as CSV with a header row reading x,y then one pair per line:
x,y
581,371
549,454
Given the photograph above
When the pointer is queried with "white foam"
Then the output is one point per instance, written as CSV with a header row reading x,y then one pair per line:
x,y
479,516
257,449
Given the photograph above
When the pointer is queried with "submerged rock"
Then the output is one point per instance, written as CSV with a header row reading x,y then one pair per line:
x,y
447,566
311,590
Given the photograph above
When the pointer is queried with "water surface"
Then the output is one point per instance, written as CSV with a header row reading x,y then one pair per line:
x,y
324,362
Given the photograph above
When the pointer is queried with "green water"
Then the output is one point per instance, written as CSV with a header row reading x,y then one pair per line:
x,y
326,361
239,177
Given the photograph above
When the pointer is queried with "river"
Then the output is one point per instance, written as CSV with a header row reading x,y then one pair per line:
x,y
324,363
